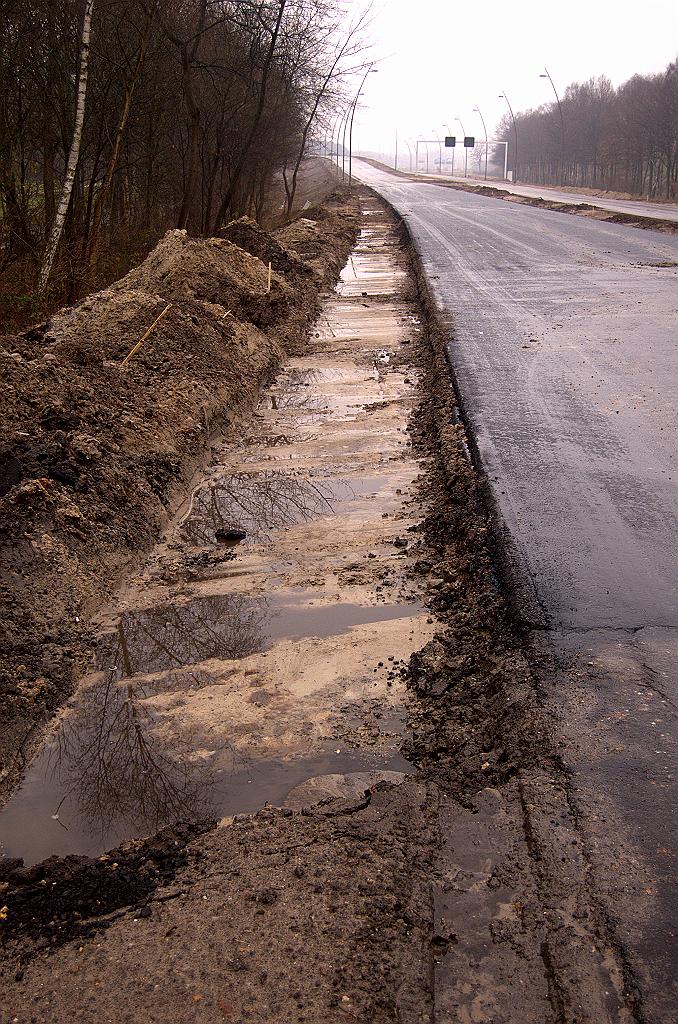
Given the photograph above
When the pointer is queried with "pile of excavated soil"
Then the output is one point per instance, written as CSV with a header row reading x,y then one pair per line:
x,y
93,453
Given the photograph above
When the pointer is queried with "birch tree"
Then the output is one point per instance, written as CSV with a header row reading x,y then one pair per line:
x,y
74,153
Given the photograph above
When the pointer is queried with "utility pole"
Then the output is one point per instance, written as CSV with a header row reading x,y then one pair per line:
x,y
450,133
440,151
426,144
465,149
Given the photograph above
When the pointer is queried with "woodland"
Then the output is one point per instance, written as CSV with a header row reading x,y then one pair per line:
x,y
597,136
120,119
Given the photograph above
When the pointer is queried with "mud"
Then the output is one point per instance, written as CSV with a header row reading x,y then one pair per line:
x,y
286,647
94,455
460,892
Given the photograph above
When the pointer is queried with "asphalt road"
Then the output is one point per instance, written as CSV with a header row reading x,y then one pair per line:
x,y
664,211
563,344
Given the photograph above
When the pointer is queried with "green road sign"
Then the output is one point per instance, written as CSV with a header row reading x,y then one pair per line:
x,y
450,140
469,141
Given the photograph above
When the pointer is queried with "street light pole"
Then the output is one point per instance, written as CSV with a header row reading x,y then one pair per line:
x,y
343,141
371,70
477,111
337,127
465,149
440,151
342,137
426,144
503,96
409,148
562,125
450,133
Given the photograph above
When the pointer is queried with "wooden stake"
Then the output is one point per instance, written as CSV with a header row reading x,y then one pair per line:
x,y
144,336
269,278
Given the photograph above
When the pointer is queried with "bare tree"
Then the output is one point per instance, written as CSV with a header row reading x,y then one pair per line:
x,y
182,112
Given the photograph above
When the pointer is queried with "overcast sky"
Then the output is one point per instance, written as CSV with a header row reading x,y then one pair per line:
x,y
438,59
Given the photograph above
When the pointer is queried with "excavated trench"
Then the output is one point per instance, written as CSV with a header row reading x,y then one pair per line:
x,y
321,620
263,642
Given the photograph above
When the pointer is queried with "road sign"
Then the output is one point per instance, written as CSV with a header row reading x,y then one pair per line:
x,y
469,141
450,140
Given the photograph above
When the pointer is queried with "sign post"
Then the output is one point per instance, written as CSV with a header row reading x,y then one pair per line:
x,y
469,143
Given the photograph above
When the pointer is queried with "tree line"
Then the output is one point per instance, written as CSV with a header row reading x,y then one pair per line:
x,y
624,139
122,118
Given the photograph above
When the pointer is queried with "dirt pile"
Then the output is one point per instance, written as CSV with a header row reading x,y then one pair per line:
x,y
247,234
51,900
212,272
92,453
304,238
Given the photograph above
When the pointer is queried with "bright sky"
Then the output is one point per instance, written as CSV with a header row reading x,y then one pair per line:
x,y
440,59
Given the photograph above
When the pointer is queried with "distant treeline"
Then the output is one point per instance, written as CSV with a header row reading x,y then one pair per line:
x,y
191,109
624,139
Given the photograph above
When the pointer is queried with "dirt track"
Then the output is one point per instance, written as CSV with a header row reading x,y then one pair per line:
x,y
460,893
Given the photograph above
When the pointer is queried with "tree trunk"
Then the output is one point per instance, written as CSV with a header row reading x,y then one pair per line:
x,y
74,153
91,252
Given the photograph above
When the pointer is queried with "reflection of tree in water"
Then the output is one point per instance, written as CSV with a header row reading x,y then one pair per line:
x,y
256,503
118,770
116,766
290,391
223,626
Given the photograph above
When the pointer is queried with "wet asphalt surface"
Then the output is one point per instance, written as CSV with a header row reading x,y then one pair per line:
x,y
564,352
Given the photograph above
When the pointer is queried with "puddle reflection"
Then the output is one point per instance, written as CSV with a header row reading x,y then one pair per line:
x,y
225,626
110,773
290,391
256,503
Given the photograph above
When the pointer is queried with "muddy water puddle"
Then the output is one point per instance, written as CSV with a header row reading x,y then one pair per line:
x,y
257,504
229,627
86,794
264,643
